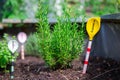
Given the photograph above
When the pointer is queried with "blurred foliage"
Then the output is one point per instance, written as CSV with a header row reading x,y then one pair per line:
x,y
5,54
90,8
31,45
102,7
76,8
14,9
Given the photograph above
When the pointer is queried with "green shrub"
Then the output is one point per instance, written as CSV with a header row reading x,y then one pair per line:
x,y
5,54
31,45
61,45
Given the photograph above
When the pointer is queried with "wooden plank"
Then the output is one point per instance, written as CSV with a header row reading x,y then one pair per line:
x,y
1,26
30,21
11,21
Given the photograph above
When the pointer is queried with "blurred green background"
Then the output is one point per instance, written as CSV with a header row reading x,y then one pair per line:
x,y
22,9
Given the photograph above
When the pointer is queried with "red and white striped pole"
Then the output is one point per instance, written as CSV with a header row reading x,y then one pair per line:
x,y
93,26
87,56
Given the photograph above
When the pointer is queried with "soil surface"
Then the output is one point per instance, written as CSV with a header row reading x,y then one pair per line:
x,y
34,68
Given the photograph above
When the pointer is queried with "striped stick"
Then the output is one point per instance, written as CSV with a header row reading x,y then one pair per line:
x,y
12,70
87,56
22,52
92,27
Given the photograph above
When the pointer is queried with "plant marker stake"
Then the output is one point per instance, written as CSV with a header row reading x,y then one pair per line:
x,y
22,37
22,52
93,26
12,45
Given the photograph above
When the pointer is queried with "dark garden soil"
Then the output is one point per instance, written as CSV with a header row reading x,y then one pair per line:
x,y
33,68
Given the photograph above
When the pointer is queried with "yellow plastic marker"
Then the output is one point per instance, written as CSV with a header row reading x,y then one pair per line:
x,y
93,26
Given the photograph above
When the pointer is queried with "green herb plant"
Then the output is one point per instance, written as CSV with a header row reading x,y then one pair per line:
x,y
5,54
58,47
31,45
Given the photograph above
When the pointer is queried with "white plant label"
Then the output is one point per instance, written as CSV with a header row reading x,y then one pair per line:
x,y
13,45
22,37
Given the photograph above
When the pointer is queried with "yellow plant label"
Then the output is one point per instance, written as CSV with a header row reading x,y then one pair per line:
x,y
93,26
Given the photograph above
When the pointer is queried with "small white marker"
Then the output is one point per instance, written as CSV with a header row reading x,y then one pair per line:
x,y
13,45
22,37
